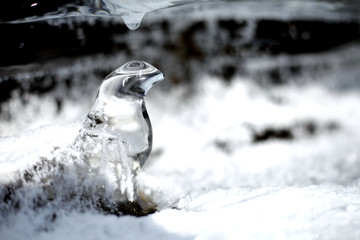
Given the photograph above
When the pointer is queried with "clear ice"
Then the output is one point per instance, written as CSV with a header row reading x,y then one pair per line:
x,y
116,134
131,11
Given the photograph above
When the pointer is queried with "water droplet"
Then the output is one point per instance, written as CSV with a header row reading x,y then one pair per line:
x,y
133,20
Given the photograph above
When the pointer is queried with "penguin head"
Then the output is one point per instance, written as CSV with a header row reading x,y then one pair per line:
x,y
134,78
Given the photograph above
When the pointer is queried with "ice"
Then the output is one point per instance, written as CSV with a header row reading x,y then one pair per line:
x,y
132,12
136,10
133,20
119,113
117,131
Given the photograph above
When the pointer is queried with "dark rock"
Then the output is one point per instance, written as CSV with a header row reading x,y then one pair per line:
x,y
273,133
308,128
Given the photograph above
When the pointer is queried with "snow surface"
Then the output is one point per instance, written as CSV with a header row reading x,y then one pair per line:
x,y
207,176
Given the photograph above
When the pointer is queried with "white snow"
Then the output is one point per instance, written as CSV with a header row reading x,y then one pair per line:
x,y
305,188
314,212
22,152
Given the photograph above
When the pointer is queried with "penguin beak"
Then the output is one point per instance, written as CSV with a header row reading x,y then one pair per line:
x,y
152,81
158,78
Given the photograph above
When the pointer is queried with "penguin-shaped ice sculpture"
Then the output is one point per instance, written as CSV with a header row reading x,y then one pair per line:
x,y
119,117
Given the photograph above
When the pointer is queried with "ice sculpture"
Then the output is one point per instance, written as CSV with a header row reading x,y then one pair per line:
x,y
116,137
119,113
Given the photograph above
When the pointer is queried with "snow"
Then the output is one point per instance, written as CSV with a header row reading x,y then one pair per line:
x,y
328,212
19,153
303,188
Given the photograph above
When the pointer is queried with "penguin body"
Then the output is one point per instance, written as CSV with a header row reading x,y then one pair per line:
x,y
119,112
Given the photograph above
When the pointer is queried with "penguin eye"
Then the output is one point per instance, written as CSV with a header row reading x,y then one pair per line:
x,y
135,66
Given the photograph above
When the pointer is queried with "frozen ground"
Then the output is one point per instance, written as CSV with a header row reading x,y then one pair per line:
x,y
230,161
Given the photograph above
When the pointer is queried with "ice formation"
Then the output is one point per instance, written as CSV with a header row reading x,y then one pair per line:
x,y
117,131
119,114
136,10
132,12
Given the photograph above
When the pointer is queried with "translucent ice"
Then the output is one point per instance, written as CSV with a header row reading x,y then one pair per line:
x,y
117,133
119,112
131,11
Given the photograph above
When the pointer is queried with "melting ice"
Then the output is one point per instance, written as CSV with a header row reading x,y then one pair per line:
x,y
130,11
